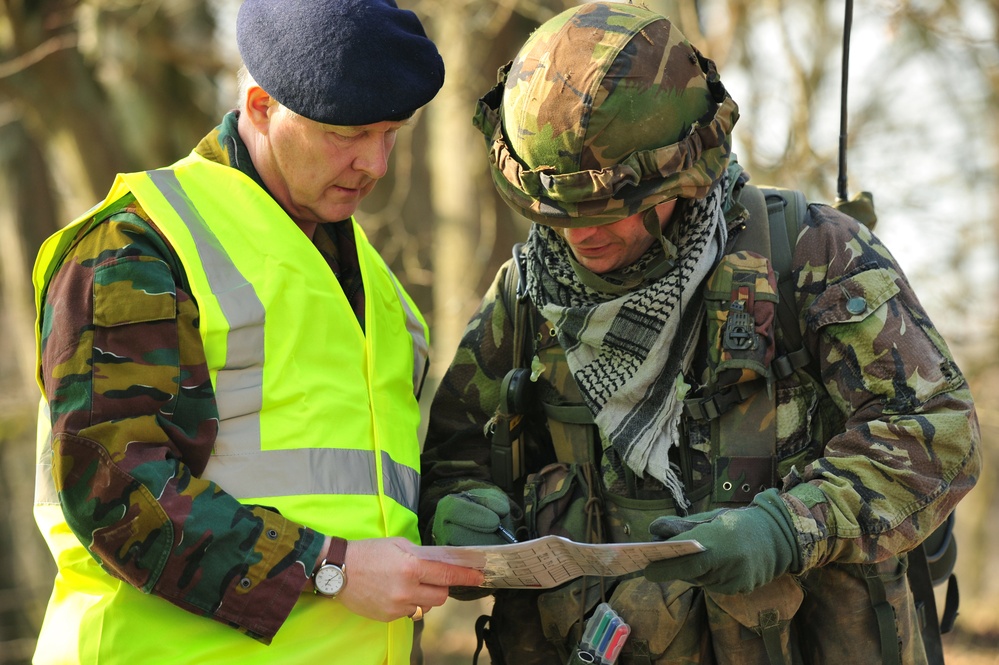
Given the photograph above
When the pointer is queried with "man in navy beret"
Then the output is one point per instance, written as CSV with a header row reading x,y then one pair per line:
x,y
230,374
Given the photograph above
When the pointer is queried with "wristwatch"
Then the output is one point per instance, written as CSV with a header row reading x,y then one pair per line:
x,y
330,577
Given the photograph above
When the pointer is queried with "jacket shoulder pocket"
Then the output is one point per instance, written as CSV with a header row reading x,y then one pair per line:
x,y
852,299
133,290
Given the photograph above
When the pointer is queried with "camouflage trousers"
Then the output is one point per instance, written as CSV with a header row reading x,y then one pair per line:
x,y
836,614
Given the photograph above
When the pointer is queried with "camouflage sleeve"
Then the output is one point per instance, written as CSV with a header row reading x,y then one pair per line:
x,y
910,450
456,450
134,420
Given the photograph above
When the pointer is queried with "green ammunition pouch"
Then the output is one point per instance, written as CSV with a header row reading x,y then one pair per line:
x,y
628,519
563,500
756,627
560,499
668,621
562,612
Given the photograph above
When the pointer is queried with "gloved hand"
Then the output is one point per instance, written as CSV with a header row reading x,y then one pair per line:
x,y
745,547
472,517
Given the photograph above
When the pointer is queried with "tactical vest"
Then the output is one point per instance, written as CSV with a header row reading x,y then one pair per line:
x,y
753,343
334,450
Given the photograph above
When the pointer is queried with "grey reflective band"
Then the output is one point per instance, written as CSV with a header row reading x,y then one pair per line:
x,y
244,470
239,385
276,472
421,347
401,482
45,491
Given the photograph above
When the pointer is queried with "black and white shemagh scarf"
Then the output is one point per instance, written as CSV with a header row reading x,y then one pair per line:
x,y
628,348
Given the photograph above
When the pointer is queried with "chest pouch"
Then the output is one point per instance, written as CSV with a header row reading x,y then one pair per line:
x,y
741,300
564,500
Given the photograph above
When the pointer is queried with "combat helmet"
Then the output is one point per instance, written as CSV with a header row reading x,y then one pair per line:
x,y
606,111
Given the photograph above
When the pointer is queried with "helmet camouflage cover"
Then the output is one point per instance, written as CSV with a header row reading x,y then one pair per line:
x,y
606,111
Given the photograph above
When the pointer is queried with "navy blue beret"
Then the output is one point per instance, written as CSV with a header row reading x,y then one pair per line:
x,y
340,62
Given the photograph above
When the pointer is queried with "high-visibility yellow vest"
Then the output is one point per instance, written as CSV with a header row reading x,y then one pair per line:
x,y
317,418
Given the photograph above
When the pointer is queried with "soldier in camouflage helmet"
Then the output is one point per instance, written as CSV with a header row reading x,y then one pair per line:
x,y
635,384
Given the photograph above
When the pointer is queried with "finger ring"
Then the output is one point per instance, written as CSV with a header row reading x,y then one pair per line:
x,y
417,615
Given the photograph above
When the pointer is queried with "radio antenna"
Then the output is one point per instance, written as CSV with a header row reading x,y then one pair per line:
x,y
847,24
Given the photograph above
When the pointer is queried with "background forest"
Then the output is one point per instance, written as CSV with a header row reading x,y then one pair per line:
x,y
89,88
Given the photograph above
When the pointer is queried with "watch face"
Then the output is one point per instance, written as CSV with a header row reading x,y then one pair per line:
x,y
330,580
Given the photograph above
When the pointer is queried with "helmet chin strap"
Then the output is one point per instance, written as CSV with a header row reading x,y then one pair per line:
x,y
652,224
650,220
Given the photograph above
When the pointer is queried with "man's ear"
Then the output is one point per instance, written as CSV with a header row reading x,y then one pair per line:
x,y
258,106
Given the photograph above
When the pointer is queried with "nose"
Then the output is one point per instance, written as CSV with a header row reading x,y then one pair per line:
x,y
577,235
373,154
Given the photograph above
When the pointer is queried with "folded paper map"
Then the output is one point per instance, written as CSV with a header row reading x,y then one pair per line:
x,y
552,560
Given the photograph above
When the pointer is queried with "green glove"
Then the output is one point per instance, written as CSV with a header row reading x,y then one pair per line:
x,y
745,547
472,517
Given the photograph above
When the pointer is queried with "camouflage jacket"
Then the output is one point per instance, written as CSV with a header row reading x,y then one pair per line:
x,y
873,455
151,410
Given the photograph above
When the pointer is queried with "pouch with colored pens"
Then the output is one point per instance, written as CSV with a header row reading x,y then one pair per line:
x,y
603,638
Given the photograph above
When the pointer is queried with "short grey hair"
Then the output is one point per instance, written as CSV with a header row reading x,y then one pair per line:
x,y
244,81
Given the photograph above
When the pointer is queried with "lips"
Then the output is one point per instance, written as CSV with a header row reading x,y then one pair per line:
x,y
590,251
349,194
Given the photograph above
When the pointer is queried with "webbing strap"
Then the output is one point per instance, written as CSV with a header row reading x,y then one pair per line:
x,y
576,414
921,585
480,636
780,235
951,602
713,406
785,210
770,632
514,296
786,365
506,448
784,227
885,614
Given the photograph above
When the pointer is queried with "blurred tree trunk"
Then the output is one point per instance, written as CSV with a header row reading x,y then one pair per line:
x,y
87,89
53,92
473,231
452,158
26,569
91,92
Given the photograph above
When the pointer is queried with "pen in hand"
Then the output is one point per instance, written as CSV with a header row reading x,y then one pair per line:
x,y
505,534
